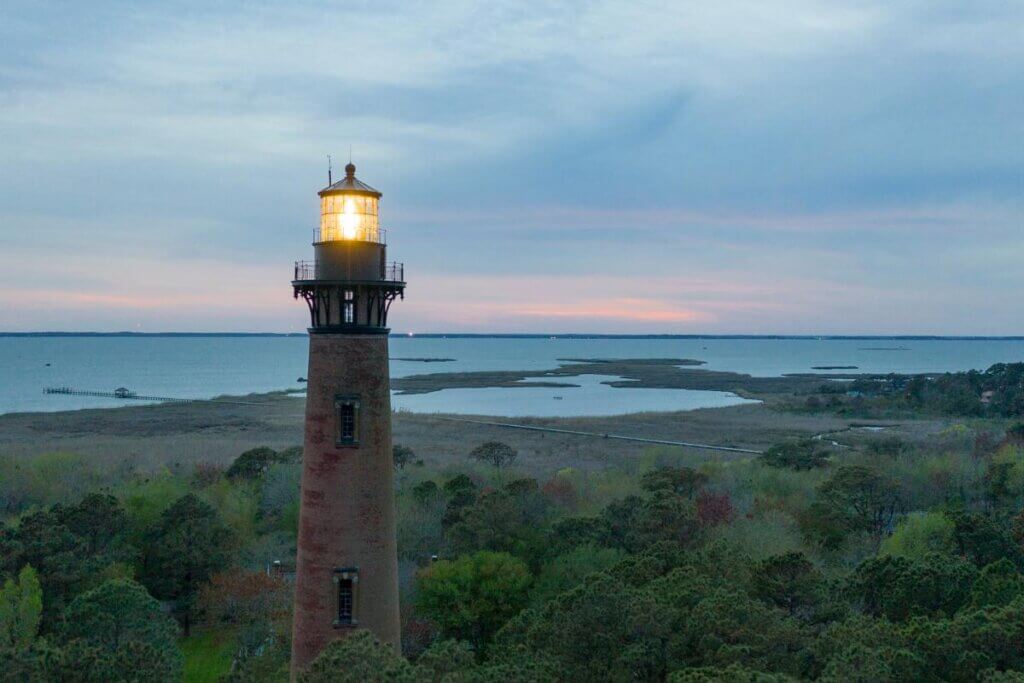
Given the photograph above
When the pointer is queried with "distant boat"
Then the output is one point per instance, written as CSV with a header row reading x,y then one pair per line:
x,y
301,379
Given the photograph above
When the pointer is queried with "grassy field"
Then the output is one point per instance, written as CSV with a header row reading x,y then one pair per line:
x,y
176,436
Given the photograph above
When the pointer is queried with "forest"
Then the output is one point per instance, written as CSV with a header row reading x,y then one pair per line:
x,y
996,392
888,560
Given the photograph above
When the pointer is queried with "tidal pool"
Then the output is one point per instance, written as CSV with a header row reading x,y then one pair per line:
x,y
592,397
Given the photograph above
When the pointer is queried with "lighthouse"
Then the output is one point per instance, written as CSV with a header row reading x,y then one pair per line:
x,y
347,564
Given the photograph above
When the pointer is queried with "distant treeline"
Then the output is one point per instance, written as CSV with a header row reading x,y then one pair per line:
x,y
996,392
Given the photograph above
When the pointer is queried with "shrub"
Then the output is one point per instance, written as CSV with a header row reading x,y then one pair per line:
x,y
805,454
205,473
402,455
253,463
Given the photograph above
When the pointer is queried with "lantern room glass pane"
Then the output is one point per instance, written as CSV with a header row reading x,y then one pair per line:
x,y
348,217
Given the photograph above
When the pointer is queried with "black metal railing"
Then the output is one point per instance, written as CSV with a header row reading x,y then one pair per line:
x,y
390,272
376,235
394,272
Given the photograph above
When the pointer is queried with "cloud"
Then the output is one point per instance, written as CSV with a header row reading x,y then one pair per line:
x,y
865,145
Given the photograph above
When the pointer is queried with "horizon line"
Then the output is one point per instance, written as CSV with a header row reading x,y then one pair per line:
x,y
535,335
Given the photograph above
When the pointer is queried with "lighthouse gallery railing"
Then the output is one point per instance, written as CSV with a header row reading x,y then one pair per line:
x,y
390,272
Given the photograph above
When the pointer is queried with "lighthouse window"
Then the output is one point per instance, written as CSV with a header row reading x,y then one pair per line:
x,y
346,580
348,420
349,309
345,601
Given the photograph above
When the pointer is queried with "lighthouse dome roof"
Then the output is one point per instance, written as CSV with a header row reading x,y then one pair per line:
x,y
350,184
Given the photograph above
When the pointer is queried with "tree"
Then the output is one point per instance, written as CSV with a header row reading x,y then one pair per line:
x,y
899,588
256,605
861,499
858,630
472,596
240,597
983,539
995,634
635,523
681,481
510,520
359,658
495,453
402,455
119,632
569,569
733,673
58,556
21,609
919,534
788,581
943,645
99,520
561,492
448,660
565,534
859,664
998,584
714,508
805,454
602,630
425,492
461,492
727,627
255,462
188,545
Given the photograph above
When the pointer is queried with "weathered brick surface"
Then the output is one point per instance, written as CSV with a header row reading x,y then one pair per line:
x,y
347,517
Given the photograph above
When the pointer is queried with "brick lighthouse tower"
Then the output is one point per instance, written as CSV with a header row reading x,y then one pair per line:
x,y
347,566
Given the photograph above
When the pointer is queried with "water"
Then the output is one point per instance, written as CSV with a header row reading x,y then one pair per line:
x,y
203,367
591,397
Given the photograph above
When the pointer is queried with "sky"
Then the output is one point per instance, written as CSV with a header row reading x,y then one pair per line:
x,y
737,166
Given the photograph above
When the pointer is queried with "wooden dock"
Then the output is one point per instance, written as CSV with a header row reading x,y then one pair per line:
x,y
131,396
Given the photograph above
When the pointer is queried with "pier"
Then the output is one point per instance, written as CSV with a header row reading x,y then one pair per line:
x,y
125,395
